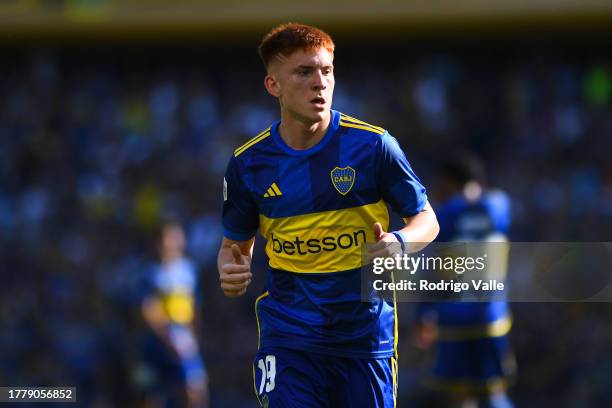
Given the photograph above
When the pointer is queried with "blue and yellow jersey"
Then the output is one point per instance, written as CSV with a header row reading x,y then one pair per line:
x,y
174,284
316,207
486,219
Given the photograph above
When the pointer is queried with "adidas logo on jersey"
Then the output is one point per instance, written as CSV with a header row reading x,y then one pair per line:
x,y
273,191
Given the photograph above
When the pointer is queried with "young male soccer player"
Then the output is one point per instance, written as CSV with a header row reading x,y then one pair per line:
x,y
473,358
316,184
170,309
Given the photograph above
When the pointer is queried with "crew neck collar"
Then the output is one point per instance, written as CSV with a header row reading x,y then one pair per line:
x,y
331,130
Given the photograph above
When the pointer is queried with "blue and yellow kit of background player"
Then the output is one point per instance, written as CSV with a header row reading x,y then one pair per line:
x,y
175,285
473,352
319,344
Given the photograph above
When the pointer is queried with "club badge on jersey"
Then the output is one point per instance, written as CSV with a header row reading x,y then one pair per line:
x,y
343,179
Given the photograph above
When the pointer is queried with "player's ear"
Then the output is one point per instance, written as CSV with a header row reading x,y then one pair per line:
x,y
272,85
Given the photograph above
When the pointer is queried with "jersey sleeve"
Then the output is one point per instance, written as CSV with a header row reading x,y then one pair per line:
x,y
500,210
240,214
400,187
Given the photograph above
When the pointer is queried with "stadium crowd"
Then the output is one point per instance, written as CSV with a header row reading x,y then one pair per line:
x,y
97,147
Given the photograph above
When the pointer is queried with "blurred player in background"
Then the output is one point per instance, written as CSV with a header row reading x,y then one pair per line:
x,y
316,185
473,362
170,310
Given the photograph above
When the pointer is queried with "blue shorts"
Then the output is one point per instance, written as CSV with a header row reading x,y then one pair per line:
x,y
478,366
285,378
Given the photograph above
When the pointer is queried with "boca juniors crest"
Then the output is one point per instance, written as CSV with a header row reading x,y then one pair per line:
x,y
343,179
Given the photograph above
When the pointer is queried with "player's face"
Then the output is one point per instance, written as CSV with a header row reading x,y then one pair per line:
x,y
305,84
172,241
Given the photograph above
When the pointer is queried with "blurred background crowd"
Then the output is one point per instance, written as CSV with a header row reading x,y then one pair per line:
x,y
99,145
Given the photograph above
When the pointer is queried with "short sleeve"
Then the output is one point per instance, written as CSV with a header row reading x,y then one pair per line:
x,y
240,214
400,187
499,207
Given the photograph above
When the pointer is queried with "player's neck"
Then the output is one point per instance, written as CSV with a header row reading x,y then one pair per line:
x,y
170,256
299,134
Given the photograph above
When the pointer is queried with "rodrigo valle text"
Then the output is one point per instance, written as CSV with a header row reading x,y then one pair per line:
x,y
491,285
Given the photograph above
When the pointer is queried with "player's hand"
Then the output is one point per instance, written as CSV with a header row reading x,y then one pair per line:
x,y
382,249
236,275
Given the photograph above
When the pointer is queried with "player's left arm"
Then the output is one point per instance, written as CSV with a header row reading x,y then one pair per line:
x,y
420,229
403,190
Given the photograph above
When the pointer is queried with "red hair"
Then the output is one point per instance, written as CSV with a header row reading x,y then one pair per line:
x,y
287,38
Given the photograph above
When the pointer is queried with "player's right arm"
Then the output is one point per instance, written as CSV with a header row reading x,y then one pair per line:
x,y
234,265
240,224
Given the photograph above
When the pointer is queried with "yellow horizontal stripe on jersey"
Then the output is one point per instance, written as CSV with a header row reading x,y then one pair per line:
x,y
328,241
363,127
497,328
348,118
251,142
179,307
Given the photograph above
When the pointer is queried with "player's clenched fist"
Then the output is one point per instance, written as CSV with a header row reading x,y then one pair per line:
x,y
235,272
